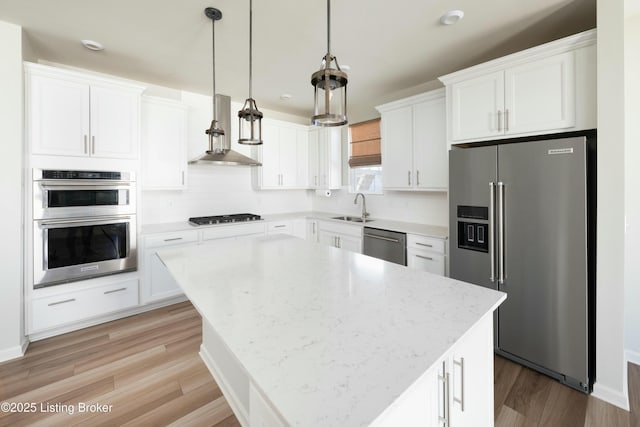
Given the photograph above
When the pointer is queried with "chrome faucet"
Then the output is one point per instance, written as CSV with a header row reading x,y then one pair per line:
x,y
365,214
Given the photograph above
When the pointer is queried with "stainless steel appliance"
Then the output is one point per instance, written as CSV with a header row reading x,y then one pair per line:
x,y
384,244
223,219
84,225
522,221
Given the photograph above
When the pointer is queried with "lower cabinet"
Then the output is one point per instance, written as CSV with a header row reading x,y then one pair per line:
x,y
65,308
312,232
456,392
280,227
157,283
426,254
342,236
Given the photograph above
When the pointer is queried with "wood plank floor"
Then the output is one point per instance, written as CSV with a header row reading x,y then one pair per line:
x,y
147,368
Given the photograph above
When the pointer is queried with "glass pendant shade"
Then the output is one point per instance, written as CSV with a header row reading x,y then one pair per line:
x,y
250,123
330,94
217,139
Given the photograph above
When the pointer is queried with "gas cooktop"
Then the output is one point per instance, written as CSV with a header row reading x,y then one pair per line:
x,y
223,219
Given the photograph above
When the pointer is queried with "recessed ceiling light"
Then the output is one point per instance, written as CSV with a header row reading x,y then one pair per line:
x,y
451,17
92,45
285,96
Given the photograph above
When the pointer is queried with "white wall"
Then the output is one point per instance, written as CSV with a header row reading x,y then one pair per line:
x,y
11,148
610,367
426,208
632,178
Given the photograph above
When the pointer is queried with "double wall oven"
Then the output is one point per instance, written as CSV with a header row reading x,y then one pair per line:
x,y
84,225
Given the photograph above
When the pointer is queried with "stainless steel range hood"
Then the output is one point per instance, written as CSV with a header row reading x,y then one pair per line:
x,y
224,155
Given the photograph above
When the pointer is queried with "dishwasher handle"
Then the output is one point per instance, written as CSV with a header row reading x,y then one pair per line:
x,y
387,239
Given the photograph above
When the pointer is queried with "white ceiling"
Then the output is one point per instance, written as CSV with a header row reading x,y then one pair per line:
x,y
393,48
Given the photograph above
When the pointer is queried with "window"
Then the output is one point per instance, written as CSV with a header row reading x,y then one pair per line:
x,y
365,169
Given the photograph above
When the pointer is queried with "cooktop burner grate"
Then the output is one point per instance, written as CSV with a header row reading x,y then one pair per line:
x,y
223,219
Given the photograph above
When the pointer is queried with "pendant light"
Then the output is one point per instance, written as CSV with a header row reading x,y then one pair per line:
x,y
250,118
220,152
330,88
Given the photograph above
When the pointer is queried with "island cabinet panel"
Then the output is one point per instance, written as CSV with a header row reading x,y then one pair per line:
x,y
456,392
69,113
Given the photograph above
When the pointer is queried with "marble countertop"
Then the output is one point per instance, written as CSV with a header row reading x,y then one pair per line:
x,y
331,337
386,224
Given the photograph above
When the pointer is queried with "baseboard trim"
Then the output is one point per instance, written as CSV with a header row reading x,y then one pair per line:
x,y
14,352
218,376
632,356
610,395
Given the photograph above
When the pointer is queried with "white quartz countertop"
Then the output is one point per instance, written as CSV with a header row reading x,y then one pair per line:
x,y
331,337
386,224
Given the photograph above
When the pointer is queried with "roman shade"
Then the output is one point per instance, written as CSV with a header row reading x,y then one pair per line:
x,y
365,143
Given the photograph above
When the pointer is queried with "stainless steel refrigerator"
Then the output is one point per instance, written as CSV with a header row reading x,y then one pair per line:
x,y
522,221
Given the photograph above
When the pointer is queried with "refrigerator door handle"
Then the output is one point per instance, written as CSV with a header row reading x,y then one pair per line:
x,y
492,218
502,271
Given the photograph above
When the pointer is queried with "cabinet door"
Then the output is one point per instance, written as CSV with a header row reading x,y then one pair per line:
x,y
475,107
270,168
314,159
324,158
349,243
58,116
164,145
430,154
327,238
160,283
471,377
114,122
540,95
312,230
425,261
302,160
397,148
335,137
288,142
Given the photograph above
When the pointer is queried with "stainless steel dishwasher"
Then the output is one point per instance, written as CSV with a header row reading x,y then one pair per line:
x,y
384,244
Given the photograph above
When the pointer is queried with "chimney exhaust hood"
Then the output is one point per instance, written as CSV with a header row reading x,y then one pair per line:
x,y
223,155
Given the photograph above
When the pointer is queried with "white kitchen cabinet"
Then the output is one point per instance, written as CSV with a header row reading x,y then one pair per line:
x,y
414,145
68,307
234,231
325,158
157,283
342,236
313,230
164,144
283,156
280,227
545,89
426,254
456,392
72,114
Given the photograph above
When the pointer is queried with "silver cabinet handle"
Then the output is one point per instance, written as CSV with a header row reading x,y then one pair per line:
x,y
424,244
444,379
409,178
455,399
182,177
315,180
425,257
85,145
61,302
387,239
313,227
339,242
418,178
114,291
501,234
280,226
173,239
492,215
506,120
93,144
499,120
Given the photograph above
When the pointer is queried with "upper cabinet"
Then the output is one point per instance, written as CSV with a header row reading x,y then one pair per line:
x,y
546,89
72,114
164,144
414,147
283,155
325,158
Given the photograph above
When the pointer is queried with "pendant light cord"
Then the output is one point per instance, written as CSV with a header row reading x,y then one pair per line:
x,y
328,27
250,46
213,44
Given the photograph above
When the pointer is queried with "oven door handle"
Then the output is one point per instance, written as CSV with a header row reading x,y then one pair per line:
x,y
59,223
87,186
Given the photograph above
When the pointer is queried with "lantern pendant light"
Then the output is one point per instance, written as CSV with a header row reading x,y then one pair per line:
x,y
330,88
217,143
250,118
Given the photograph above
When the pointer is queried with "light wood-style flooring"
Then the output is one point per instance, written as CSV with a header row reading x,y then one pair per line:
x,y
148,369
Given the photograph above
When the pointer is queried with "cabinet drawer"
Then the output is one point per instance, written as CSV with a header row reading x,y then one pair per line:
x,y
338,228
279,227
71,307
168,239
425,243
233,231
426,261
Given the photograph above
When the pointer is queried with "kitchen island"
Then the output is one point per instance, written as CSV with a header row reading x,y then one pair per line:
x,y
302,334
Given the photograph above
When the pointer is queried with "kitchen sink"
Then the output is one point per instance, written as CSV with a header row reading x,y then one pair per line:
x,y
350,218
